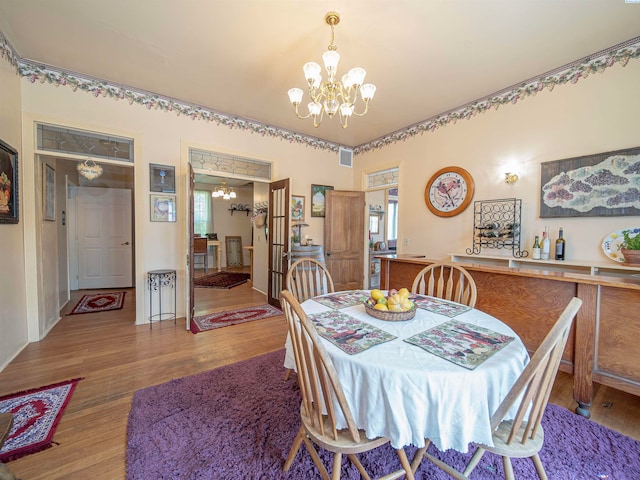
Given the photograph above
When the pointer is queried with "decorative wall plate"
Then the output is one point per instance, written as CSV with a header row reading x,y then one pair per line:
x,y
612,244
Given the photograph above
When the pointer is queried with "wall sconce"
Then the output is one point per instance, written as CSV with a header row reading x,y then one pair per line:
x,y
510,178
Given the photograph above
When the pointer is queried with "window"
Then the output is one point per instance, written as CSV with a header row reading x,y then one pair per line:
x,y
201,212
392,220
392,215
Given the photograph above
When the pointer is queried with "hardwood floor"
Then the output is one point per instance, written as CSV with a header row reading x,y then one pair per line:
x,y
116,358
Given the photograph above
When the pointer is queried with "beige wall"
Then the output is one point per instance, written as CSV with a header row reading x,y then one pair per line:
x,y
595,115
162,138
13,327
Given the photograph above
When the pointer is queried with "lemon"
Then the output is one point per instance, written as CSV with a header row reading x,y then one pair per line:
x,y
380,306
377,294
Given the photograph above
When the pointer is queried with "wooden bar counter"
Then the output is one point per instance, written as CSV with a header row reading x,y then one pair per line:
x,y
603,346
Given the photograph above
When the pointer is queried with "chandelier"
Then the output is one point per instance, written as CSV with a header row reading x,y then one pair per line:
x,y
224,192
89,169
332,95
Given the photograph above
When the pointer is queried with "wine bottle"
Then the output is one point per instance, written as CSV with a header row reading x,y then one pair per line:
x,y
536,248
546,245
560,246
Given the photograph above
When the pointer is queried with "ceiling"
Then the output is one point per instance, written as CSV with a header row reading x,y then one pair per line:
x,y
240,57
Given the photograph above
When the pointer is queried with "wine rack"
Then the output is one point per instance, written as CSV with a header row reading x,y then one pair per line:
x,y
496,224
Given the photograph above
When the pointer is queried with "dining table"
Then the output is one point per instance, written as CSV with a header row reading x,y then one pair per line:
x,y
438,376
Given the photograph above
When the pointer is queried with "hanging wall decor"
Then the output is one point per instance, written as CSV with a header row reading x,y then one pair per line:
x,y
9,212
604,184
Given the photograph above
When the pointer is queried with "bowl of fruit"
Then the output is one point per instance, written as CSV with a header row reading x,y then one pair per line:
x,y
394,307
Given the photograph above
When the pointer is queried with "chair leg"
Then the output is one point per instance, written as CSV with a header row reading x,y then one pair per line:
x,y
358,465
336,470
404,461
417,458
287,374
508,468
316,458
473,463
294,449
539,468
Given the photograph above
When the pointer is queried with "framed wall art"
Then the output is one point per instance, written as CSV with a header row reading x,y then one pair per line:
x,y
297,207
603,184
163,208
318,196
163,178
9,212
48,192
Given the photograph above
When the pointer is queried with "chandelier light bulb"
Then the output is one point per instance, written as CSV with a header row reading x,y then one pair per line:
x,y
295,96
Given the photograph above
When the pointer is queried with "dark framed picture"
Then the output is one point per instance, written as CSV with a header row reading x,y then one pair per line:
x,y
297,207
163,178
163,208
48,192
9,211
599,185
318,197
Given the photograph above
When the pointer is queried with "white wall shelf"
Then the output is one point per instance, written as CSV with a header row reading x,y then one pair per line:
x,y
571,266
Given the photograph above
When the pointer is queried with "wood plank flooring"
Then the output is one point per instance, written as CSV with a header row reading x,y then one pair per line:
x,y
116,358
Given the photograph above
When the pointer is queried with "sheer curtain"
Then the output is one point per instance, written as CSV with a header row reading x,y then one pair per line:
x,y
202,221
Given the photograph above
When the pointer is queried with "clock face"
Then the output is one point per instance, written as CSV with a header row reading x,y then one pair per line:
x,y
449,191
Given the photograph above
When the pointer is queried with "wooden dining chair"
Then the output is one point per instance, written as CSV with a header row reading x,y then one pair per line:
x,y
307,278
446,281
320,387
523,436
200,251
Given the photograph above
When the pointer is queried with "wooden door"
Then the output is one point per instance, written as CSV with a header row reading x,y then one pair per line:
x,y
104,238
344,238
279,214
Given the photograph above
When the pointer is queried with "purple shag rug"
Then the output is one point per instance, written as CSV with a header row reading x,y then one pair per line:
x,y
238,422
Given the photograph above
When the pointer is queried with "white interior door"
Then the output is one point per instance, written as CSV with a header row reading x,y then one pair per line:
x,y
104,238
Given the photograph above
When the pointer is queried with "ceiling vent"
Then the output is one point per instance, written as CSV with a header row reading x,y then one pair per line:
x,y
345,158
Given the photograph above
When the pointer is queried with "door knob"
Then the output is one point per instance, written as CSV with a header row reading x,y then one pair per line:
x,y
285,254
125,243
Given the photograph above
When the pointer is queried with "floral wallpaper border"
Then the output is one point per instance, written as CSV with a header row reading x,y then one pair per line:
x,y
598,62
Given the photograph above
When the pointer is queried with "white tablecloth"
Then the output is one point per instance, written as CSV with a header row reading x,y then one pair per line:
x,y
406,394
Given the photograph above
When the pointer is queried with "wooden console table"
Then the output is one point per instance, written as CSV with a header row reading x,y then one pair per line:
x,y
602,347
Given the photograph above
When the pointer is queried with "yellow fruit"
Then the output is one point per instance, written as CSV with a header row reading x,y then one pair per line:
x,y
380,306
382,301
377,294
404,293
395,308
406,305
394,300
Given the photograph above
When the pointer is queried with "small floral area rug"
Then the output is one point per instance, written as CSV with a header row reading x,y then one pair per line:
x,y
233,317
221,280
36,414
99,302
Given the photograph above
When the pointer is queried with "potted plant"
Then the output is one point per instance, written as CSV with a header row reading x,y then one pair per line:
x,y
296,239
630,247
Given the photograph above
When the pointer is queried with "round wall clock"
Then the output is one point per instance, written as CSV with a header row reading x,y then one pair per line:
x,y
449,191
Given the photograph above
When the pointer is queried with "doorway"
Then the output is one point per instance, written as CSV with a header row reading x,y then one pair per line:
x,y
116,179
231,219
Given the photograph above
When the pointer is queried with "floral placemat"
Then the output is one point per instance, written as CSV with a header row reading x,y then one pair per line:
x,y
343,299
347,333
461,343
439,306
